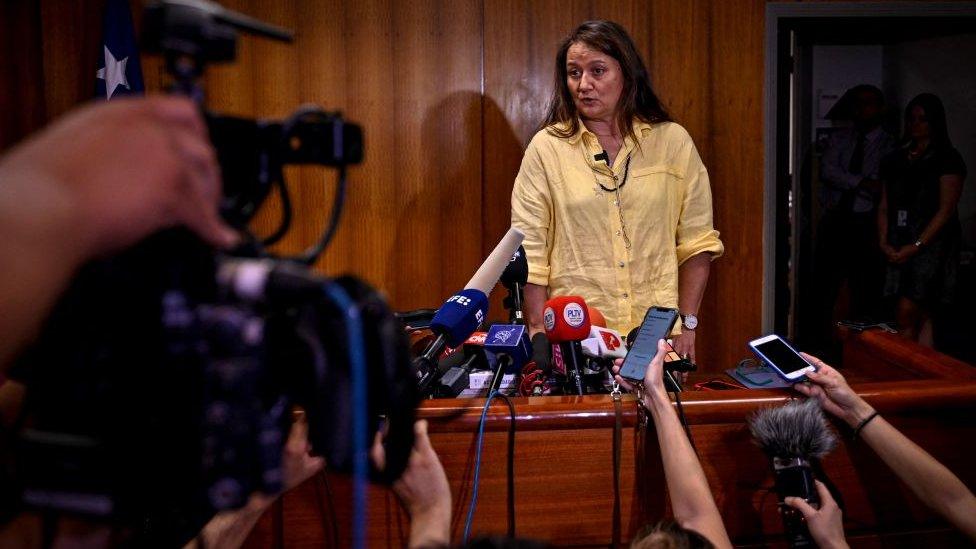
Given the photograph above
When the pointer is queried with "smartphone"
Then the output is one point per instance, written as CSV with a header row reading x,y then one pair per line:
x,y
657,325
781,357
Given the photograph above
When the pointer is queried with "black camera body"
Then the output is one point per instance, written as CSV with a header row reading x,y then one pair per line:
x,y
252,153
162,387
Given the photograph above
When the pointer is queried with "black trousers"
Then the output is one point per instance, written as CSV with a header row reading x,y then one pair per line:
x,y
846,249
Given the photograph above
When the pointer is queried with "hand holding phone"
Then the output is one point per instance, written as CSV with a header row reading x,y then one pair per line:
x,y
657,324
781,357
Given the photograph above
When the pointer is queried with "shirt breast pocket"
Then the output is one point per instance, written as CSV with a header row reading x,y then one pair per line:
x,y
657,190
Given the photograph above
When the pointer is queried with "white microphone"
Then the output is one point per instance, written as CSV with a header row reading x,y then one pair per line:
x,y
493,267
604,343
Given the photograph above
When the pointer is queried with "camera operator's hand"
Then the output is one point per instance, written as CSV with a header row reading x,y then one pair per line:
x,y
92,183
826,523
829,387
126,168
229,529
423,490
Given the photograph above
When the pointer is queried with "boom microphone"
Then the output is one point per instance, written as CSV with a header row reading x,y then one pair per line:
x,y
491,270
795,437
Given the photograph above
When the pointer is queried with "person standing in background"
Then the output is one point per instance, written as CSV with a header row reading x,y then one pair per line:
x,y
846,246
918,219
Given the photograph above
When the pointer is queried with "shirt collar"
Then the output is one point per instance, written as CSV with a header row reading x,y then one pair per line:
x,y
640,127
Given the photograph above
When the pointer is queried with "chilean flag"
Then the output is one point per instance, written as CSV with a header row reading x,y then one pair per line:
x,y
119,71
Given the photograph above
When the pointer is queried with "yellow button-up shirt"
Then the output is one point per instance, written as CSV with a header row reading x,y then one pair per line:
x,y
574,241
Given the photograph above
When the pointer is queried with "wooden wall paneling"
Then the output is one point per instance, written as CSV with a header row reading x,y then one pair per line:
x,y
431,244
734,299
411,76
680,66
22,105
71,35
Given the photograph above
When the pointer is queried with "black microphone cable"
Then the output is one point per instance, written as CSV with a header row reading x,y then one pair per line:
x,y
477,465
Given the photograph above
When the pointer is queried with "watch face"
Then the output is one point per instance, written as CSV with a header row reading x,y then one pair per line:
x,y
690,322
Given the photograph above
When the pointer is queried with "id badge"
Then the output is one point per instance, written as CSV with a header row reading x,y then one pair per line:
x,y
902,218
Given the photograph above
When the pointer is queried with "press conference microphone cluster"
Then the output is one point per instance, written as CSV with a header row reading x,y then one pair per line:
x,y
567,323
464,311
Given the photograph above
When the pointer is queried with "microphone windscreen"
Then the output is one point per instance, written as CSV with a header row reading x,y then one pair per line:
x,y
566,319
796,430
491,270
460,316
596,317
517,271
542,352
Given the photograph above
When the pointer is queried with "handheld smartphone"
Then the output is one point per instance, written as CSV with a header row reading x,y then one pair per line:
x,y
781,357
657,325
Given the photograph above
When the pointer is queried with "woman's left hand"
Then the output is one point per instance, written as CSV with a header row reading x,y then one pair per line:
x,y
684,345
904,254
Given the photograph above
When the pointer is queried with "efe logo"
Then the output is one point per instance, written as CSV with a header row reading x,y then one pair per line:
x,y
460,300
574,315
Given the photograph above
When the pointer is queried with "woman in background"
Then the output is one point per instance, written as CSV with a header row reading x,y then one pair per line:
x,y
918,221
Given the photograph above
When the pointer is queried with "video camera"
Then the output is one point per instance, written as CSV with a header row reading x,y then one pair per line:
x,y
162,386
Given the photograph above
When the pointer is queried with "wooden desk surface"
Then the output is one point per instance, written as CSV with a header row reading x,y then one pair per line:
x,y
563,459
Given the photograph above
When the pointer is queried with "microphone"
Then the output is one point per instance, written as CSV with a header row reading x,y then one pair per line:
x,y
454,322
567,322
491,270
596,317
601,348
603,343
514,278
457,378
602,156
794,437
510,345
463,312
542,353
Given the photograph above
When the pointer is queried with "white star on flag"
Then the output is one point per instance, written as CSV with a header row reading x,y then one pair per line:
x,y
113,73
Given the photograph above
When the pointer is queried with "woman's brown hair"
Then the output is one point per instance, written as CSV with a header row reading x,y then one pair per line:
x,y
637,100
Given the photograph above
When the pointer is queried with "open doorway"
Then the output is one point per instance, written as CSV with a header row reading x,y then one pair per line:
x,y
822,240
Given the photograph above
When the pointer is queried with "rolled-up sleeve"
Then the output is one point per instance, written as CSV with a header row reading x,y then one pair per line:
x,y
532,214
695,232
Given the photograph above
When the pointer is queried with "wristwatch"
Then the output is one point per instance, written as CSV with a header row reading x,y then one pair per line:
x,y
689,322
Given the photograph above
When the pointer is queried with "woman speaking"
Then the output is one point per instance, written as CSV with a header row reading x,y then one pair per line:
x,y
612,196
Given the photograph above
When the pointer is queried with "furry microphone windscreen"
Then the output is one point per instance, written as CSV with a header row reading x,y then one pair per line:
x,y
798,429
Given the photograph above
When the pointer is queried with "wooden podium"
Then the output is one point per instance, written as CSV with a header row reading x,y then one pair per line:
x,y
563,477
